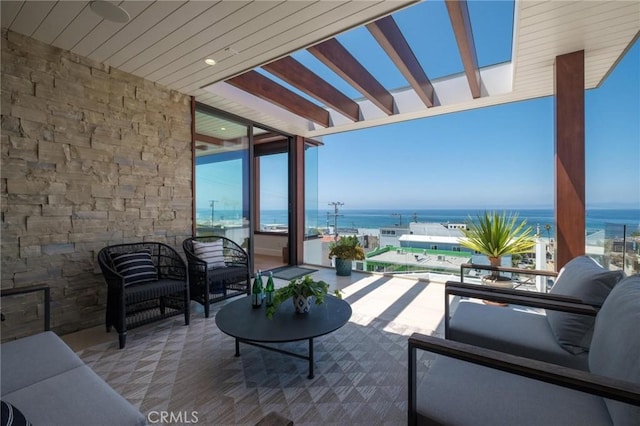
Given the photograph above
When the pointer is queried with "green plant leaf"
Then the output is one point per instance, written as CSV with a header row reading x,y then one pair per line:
x,y
305,286
348,248
496,235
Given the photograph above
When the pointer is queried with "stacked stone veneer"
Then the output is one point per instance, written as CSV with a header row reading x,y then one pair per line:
x,y
91,156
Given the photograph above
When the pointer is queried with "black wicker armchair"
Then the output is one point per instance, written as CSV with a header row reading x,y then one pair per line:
x,y
222,273
146,281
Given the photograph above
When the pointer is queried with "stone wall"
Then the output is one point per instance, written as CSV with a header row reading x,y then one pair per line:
x,y
91,156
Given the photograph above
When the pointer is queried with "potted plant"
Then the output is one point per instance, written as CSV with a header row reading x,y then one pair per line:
x,y
300,290
346,250
496,235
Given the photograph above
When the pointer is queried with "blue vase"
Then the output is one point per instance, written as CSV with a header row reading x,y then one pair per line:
x,y
343,267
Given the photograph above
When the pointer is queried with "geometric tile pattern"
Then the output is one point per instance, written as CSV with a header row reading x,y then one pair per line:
x,y
360,374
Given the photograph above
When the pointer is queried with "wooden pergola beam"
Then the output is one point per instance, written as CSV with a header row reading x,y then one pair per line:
x,y
390,38
299,76
261,86
339,60
459,16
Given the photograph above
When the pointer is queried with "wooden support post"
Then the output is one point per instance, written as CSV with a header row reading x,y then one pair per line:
x,y
569,157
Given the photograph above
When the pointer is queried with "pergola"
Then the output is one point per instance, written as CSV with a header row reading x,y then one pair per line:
x,y
559,49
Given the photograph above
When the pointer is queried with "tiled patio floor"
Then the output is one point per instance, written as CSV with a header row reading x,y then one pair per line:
x,y
360,369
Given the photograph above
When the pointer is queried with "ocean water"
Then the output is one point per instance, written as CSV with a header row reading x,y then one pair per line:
x,y
596,219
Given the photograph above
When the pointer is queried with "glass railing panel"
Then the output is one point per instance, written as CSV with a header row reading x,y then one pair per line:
x,y
620,247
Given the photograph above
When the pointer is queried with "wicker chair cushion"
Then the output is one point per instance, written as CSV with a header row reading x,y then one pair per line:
x,y
136,267
212,253
585,279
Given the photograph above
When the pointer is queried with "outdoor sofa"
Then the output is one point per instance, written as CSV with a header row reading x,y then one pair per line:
x,y
557,330
46,383
470,385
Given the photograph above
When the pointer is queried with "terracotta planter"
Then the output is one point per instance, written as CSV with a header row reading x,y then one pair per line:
x,y
502,282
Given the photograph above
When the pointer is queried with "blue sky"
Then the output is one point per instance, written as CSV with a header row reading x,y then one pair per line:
x,y
496,157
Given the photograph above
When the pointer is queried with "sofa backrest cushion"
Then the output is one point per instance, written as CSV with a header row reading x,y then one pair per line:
x,y
135,267
210,252
585,279
45,353
615,347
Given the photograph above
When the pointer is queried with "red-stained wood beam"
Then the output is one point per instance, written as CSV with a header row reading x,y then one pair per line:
x,y
339,60
570,157
390,38
459,16
299,76
267,137
261,86
209,139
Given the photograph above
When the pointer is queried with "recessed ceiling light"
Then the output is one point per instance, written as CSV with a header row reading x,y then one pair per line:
x,y
223,128
210,61
109,11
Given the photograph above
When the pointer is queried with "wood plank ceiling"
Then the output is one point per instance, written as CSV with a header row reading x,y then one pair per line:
x,y
167,41
604,30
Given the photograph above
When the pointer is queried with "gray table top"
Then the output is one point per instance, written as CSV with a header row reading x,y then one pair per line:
x,y
238,319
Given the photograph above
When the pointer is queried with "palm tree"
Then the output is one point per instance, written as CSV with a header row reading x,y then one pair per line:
x,y
547,228
496,235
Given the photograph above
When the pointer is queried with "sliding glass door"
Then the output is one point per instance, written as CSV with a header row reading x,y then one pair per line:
x,y
222,205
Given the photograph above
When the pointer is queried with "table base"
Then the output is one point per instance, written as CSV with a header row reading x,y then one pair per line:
x,y
282,351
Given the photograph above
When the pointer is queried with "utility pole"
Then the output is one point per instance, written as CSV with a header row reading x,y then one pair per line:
x,y
398,214
327,221
212,204
335,215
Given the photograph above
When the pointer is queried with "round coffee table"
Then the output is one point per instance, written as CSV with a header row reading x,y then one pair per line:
x,y
252,327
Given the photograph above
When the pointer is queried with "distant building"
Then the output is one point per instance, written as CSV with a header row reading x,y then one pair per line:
x,y
457,226
424,246
430,242
423,235
389,236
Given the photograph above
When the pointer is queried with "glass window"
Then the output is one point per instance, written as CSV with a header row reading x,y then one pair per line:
x,y
273,193
312,220
221,178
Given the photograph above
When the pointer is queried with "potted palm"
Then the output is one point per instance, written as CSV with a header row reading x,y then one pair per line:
x,y
346,250
496,235
301,290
